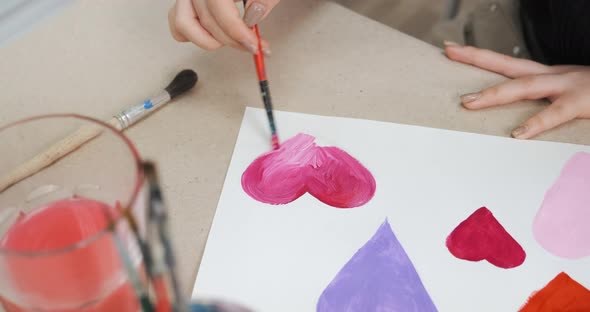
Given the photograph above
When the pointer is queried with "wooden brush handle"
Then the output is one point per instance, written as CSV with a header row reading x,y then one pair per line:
x,y
54,153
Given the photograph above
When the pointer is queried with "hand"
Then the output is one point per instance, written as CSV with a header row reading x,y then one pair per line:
x,y
211,24
566,87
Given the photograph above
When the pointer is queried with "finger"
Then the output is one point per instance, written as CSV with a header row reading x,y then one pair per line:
x,y
210,23
560,112
257,10
561,69
496,62
171,24
265,47
228,18
186,23
525,88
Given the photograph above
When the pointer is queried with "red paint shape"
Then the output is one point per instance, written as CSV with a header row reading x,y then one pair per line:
x,y
300,166
482,237
562,294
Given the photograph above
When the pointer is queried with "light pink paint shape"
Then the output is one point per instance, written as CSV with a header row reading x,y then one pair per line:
x,y
562,224
299,166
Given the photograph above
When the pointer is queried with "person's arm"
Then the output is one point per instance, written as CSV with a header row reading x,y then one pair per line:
x,y
211,24
566,87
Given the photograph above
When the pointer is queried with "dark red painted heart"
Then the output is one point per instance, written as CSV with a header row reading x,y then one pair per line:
x,y
482,237
299,166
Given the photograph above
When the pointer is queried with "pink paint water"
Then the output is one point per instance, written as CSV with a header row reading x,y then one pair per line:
x,y
482,237
300,166
562,224
90,275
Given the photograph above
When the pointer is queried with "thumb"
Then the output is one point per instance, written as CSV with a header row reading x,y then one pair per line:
x,y
257,10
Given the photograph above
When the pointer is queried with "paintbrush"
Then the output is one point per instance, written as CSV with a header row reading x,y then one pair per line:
x,y
134,279
153,267
183,82
264,88
159,239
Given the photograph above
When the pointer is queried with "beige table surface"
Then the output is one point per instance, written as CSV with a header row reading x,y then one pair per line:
x,y
98,57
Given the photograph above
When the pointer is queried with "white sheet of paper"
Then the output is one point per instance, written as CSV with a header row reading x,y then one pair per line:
x,y
281,258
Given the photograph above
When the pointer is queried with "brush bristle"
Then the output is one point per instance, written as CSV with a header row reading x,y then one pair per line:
x,y
183,82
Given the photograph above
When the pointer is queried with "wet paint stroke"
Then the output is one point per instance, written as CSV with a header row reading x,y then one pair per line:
x,y
300,166
561,294
562,224
379,277
482,237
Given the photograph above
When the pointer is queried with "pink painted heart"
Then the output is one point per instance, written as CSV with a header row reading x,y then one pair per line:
x,y
482,237
299,166
562,225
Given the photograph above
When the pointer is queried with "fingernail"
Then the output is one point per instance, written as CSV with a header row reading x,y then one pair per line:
x,y
518,132
253,48
449,43
254,14
470,97
266,51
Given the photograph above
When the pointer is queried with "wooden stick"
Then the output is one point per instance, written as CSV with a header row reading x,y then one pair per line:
x,y
54,153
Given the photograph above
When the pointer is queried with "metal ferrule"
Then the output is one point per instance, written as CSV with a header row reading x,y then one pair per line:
x,y
133,114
